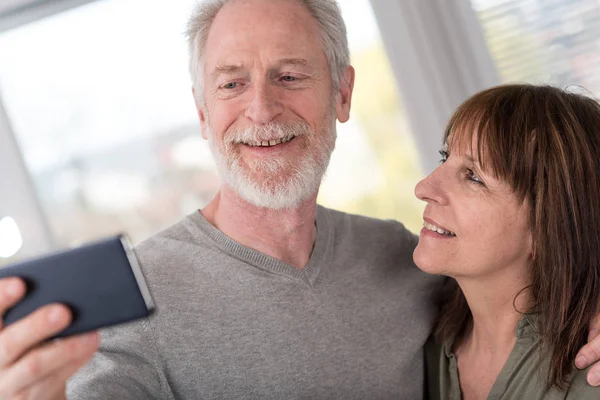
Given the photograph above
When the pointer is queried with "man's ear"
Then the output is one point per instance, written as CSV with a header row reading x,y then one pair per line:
x,y
201,116
344,95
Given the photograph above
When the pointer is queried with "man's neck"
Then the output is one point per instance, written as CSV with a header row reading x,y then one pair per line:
x,y
287,234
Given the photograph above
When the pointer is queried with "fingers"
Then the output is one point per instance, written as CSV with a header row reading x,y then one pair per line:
x,y
594,331
47,368
593,375
47,390
590,354
594,327
22,335
11,291
30,368
54,386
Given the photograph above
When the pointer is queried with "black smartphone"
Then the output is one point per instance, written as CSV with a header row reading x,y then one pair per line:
x,y
101,282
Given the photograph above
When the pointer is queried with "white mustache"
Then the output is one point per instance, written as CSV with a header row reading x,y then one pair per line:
x,y
270,131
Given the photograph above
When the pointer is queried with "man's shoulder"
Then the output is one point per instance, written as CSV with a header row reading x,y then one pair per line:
x,y
174,247
342,217
177,234
370,228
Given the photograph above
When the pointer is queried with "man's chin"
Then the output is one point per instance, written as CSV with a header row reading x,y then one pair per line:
x,y
277,192
268,178
275,186
274,168
277,199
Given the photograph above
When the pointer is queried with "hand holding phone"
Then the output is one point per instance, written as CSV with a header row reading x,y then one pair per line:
x,y
99,284
30,365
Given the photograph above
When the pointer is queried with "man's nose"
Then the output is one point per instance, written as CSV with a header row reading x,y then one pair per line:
x,y
265,104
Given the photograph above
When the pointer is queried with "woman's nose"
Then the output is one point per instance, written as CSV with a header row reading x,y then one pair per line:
x,y
431,188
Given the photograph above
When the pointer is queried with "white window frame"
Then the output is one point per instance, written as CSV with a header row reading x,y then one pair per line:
x,y
19,199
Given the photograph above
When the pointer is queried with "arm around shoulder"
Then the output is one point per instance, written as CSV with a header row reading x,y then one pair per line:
x,y
580,389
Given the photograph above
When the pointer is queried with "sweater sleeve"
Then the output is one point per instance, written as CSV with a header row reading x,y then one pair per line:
x,y
126,366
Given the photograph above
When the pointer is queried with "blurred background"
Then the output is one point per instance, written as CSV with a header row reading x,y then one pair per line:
x,y
99,135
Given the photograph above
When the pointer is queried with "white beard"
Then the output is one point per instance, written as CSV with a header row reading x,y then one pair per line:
x,y
262,182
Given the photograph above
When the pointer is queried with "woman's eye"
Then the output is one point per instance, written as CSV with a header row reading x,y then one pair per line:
x,y
444,155
472,176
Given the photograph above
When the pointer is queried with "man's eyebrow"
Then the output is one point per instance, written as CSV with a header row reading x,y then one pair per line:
x,y
294,61
226,69
232,68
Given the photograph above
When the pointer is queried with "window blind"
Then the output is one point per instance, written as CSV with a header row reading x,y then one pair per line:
x,y
544,41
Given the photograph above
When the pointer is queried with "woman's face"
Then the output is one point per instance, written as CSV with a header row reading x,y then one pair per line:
x,y
474,225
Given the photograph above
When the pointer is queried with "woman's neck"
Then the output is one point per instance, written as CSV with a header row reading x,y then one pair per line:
x,y
496,308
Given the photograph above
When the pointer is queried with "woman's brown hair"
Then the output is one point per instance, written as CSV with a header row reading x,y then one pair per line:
x,y
545,143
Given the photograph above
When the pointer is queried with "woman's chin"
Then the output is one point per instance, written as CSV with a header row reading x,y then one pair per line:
x,y
428,263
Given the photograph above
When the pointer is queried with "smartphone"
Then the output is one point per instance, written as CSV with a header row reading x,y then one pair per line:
x,y
101,282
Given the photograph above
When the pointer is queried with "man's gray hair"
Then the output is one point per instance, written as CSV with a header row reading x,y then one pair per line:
x,y
326,12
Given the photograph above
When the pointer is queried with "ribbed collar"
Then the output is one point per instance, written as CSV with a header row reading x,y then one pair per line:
x,y
197,224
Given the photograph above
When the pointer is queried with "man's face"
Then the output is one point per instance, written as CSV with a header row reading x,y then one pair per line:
x,y
269,108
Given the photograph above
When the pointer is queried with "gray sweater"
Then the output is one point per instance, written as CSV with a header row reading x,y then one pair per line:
x,y
233,323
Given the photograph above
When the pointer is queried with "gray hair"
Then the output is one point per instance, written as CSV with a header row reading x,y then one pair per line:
x,y
326,12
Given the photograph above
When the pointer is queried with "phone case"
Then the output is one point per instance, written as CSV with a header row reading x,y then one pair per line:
x,y
100,282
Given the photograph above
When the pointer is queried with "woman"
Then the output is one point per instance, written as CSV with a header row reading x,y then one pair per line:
x,y
513,216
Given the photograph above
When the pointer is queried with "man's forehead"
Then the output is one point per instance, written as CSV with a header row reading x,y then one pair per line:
x,y
277,24
235,55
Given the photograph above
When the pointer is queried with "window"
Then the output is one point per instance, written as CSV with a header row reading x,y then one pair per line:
x,y
544,41
375,166
99,100
11,240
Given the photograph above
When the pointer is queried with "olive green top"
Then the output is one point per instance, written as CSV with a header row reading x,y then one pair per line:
x,y
522,377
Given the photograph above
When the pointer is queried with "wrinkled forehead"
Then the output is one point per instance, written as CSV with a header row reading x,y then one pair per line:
x,y
269,28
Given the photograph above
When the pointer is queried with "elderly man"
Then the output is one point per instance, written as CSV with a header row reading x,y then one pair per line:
x,y
262,294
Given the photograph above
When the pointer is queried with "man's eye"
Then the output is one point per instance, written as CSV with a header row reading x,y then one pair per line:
x,y
230,85
288,78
